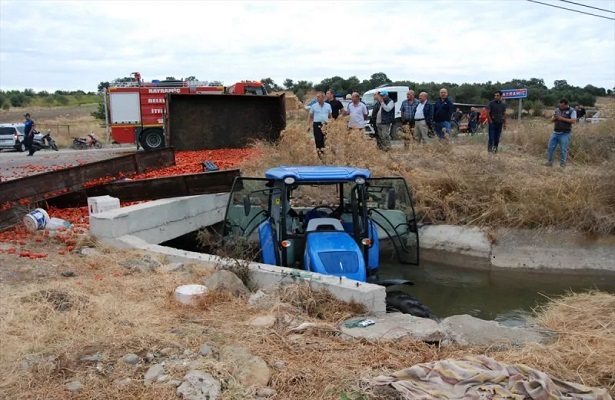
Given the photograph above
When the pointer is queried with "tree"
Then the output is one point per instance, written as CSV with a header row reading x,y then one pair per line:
x,y
170,78
270,85
379,78
100,112
289,84
191,78
560,84
102,86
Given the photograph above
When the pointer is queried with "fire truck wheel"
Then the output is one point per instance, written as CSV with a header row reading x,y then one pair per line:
x,y
152,139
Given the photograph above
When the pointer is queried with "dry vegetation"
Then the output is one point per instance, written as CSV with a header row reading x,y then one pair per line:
x,y
461,183
47,326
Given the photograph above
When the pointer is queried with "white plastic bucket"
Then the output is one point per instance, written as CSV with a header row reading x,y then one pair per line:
x,y
188,294
36,219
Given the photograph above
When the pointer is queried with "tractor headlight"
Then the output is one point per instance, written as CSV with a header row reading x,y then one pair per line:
x,y
359,180
289,180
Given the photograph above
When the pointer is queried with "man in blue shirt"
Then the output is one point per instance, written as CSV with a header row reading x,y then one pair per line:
x,y
408,108
29,134
442,113
320,112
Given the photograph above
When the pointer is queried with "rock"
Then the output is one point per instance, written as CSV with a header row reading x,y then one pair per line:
x,y
205,350
163,378
173,267
248,369
123,382
264,321
147,263
199,385
396,326
131,359
188,353
257,299
468,330
167,351
178,331
265,392
90,251
225,280
149,357
174,383
93,358
74,386
153,373
280,364
68,274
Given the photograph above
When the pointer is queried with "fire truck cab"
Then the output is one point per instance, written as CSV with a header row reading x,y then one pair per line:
x,y
136,108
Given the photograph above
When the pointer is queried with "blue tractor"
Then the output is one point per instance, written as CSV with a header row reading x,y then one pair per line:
x,y
330,220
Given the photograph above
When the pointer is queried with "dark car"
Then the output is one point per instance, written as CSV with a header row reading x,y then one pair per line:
x,y
11,136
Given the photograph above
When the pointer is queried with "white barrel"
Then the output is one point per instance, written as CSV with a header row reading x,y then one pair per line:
x,y
36,219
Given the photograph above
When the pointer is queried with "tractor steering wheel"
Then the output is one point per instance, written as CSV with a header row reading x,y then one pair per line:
x,y
323,207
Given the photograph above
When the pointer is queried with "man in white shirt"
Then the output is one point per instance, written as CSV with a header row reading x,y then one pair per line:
x,y
357,112
422,118
320,112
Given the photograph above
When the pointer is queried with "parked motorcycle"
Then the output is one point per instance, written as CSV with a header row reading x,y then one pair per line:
x,y
44,142
86,143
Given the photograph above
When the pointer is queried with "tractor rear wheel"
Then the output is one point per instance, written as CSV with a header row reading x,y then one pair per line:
x,y
152,139
407,304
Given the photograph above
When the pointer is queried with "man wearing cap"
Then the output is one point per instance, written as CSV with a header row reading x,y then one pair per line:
x,y
320,112
28,137
384,119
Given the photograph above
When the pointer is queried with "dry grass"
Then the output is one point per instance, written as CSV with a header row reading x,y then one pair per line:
x,y
55,322
461,183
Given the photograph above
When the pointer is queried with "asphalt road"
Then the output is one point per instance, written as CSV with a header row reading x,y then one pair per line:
x,y
14,164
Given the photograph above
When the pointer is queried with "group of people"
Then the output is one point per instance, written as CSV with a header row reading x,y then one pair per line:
x,y
422,116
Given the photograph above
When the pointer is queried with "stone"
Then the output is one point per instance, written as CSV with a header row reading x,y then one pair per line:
x,y
173,267
264,321
167,351
257,299
199,385
205,349
163,378
153,373
265,392
149,357
93,358
280,364
174,383
90,251
468,330
225,280
123,382
131,359
146,263
248,369
68,274
188,353
74,386
396,326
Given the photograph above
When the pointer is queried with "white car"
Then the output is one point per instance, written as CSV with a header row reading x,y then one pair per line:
x,y
596,118
11,136
397,94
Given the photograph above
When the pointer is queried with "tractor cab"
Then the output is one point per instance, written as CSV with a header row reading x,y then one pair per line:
x,y
325,219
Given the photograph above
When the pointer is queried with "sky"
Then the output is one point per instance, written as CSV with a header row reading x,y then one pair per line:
x,y
49,45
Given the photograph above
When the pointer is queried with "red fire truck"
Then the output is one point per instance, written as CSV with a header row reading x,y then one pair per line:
x,y
136,108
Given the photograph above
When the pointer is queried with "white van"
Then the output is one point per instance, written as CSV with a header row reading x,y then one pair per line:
x,y
398,95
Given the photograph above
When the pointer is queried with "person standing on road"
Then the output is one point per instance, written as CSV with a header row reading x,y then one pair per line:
x,y
357,112
408,108
496,118
384,120
336,105
320,112
28,136
422,118
563,118
443,111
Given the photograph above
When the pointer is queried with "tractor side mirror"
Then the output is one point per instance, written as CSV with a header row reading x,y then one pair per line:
x,y
391,199
247,205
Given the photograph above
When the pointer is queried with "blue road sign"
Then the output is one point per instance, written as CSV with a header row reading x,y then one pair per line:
x,y
514,94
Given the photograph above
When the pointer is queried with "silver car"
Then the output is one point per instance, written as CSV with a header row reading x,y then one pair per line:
x,y
11,136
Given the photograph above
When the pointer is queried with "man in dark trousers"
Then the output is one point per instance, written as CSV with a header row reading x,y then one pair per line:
x,y
473,120
563,118
320,112
28,136
496,118
442,113
336,105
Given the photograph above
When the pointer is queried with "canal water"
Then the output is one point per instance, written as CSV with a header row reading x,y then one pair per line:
x,y
505,296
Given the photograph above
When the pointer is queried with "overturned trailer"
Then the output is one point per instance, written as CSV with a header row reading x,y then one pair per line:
x,y
203,122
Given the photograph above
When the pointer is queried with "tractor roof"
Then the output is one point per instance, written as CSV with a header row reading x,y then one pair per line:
x,y
318,173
